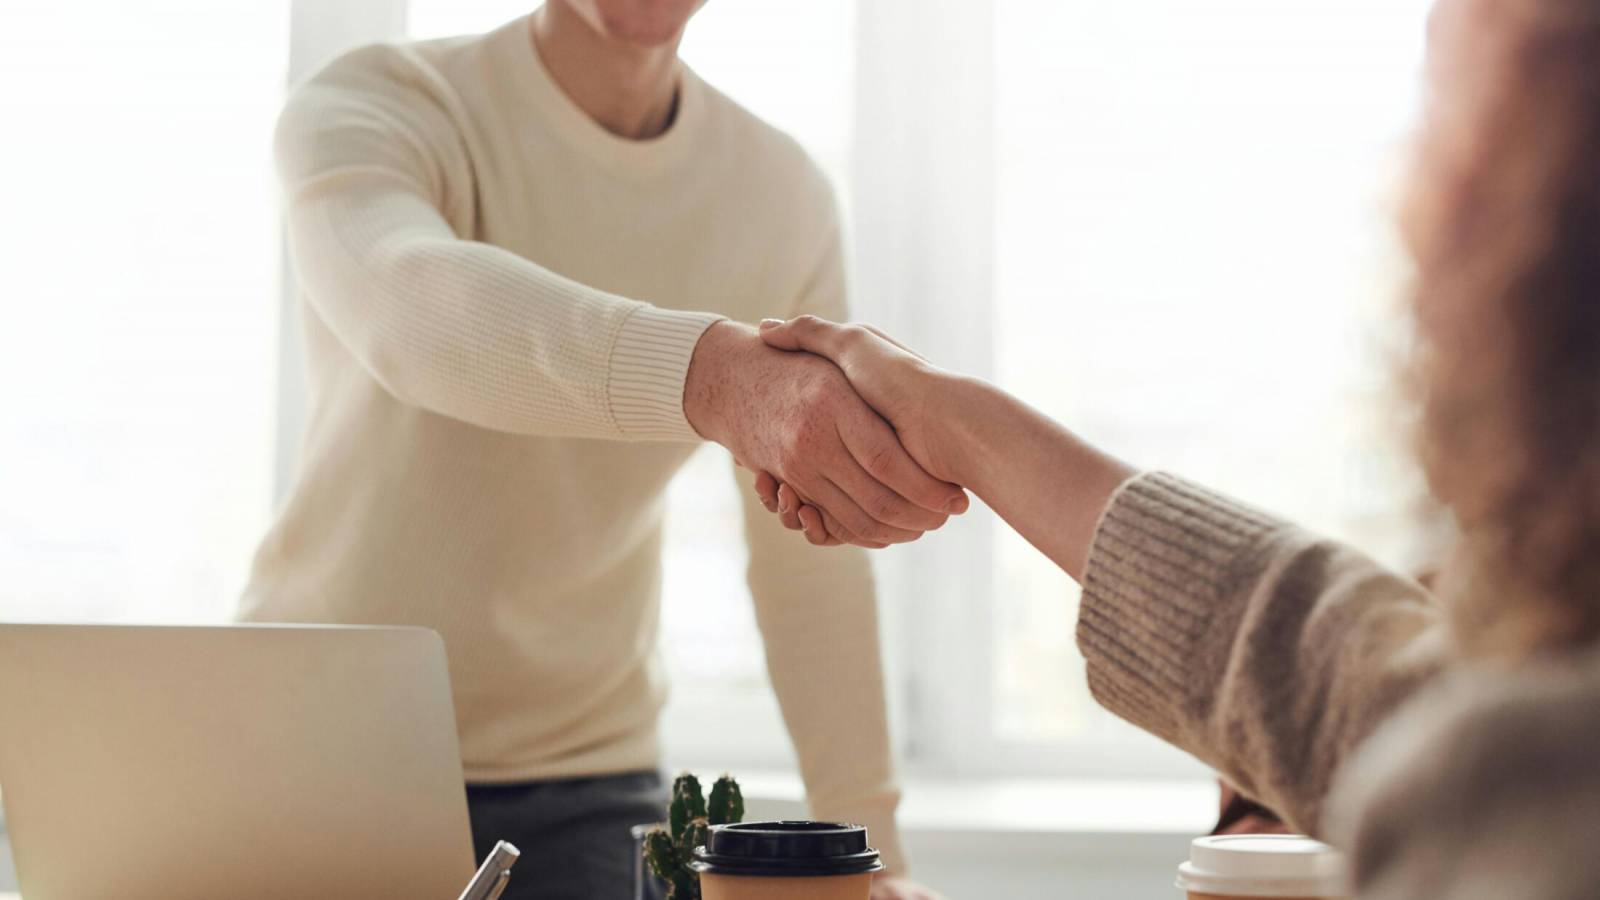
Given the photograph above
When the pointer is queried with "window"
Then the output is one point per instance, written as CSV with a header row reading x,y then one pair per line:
x,y
1195,266
1167,226
142,269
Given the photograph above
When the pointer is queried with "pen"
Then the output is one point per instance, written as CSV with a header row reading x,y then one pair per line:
x,y
493,875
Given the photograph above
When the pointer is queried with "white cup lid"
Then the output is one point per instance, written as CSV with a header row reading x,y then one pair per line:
x,y
1263,865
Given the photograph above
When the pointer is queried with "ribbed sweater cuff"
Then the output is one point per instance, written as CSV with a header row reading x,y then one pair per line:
x,y
1161,585
649,361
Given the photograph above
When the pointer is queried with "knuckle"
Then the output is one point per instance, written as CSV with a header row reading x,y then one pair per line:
x,y
880,461
875,531
883,506
856,522
794,442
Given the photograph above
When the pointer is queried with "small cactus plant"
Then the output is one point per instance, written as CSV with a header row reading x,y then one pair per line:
x,y
670,850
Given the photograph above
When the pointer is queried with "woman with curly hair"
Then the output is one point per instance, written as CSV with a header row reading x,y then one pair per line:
x,y
1446,738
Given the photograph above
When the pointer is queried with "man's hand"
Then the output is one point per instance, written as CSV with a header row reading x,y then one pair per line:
x,y
896,887
894,381
795,416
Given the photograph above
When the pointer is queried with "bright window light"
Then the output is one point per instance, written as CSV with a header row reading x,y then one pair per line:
x,y
141,269
1196,266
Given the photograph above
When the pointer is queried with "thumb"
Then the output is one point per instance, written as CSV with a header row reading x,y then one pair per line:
x,y
807,333
778,334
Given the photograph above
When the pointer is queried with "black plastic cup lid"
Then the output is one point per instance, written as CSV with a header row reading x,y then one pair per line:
x,y
786,849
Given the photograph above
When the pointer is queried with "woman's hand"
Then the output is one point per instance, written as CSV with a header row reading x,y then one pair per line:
x,y
900,385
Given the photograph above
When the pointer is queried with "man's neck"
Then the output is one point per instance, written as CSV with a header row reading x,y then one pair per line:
x,y
630,91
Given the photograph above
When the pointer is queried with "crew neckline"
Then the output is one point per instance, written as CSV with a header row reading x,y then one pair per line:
x,y
532,81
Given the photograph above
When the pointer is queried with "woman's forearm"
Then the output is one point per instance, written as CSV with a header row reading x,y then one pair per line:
x,y
1044,481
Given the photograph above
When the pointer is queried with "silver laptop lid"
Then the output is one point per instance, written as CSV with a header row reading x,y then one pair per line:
x,y
249,761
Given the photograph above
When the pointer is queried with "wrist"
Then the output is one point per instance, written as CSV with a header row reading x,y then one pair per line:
x,y
986,433
964,430
710,382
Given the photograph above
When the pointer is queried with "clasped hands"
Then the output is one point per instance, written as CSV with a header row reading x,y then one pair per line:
x,y
835,420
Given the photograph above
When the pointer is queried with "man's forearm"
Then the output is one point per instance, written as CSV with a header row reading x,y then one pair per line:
x,y
1044,481
471,331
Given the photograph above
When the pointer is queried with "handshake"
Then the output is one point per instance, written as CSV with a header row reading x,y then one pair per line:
x,y
841,424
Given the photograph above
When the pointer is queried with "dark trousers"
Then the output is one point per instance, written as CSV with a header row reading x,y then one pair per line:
x,y
575,834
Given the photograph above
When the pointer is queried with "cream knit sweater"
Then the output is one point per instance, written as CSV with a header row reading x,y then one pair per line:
x,y
500,303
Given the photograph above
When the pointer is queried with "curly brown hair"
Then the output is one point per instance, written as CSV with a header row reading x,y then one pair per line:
x,y
1503,220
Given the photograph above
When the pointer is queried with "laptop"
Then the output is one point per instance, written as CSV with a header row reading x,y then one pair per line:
x,y
249,761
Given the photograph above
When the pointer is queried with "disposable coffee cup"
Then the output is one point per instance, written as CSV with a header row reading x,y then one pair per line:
x,y
786,861
1262,866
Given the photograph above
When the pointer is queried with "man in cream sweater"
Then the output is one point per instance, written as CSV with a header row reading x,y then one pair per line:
x,y
521,256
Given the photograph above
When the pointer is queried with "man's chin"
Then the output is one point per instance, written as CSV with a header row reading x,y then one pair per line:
x,y
646,37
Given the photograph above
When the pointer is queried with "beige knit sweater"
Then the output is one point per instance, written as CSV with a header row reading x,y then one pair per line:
x,y
501,300
1294,666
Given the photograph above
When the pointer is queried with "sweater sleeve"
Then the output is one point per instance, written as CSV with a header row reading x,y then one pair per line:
x,y
1265,651
371,163
818,615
